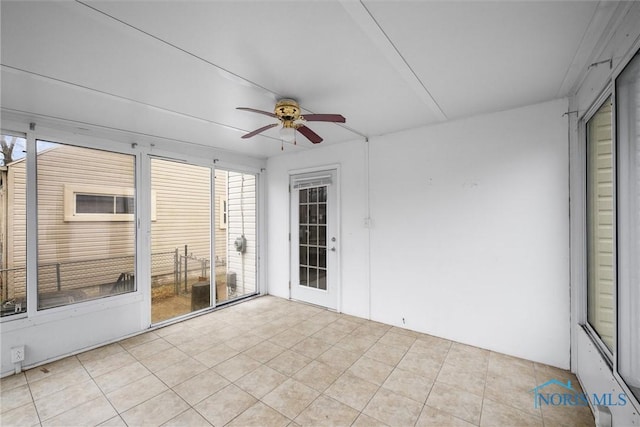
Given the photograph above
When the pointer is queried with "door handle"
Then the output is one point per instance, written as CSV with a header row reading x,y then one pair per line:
x,y
333,249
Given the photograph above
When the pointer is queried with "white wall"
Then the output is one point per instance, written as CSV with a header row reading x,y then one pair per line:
x,y
470,229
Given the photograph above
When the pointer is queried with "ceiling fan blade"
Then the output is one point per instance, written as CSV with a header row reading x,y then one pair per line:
x,y
262,129
266,113
335,118
311,135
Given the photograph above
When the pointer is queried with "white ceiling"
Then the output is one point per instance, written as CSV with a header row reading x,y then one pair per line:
x,y
177,69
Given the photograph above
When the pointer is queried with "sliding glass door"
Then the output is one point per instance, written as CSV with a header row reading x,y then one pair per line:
x,y
180,238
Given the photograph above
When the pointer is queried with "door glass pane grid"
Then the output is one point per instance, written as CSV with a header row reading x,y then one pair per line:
x,y
313,237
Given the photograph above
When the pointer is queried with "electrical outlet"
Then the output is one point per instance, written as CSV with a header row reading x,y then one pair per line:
x,y
17,354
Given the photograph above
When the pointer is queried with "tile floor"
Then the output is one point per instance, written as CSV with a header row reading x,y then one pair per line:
x,y
272,362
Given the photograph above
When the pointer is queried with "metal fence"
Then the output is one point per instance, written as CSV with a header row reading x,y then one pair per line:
x,y
99,277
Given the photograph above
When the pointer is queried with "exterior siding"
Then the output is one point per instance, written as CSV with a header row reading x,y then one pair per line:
x,y
242,221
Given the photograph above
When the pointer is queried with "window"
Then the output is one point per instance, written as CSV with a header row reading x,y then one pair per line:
x,y
628,165
98,203
600,225
13,222
86,233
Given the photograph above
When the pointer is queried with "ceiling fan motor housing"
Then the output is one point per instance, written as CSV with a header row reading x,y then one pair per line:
x,y
287,110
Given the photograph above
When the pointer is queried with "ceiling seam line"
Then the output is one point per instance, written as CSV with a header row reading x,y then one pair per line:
x,y
395,48
178,48
256,85
115,129
124,98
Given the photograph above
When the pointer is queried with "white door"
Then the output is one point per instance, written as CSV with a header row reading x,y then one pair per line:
x,y
314,239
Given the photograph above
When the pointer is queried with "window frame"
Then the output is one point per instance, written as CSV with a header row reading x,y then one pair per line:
x,y
608,92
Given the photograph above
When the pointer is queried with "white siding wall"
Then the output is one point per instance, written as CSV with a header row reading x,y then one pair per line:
x,y
241,204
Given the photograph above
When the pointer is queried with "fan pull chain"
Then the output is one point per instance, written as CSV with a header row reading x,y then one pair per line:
x,y
282,145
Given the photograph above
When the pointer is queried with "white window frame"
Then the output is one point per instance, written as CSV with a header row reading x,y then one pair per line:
x,y
71,191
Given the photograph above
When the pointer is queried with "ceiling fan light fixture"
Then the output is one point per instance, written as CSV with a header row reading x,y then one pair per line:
x,y
287,134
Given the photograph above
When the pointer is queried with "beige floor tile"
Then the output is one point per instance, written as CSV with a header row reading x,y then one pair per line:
x,y
317,375
393,409
261,381
137,340
419,364
236,367
290,398
25,415
121,377
136,392
111,362
151,348
244,342
339,358
408,384
472,380
288,362
456,401
330,334
13,381
100,353
184,336
375,329
346,324
225,405
311,347
164,359
264,351
201,386
325,411
352,391
66,399
190,417
497,414
560,416
467,357
116,421
395,339
433,347
370,370
51,384
288,338
269,330
260,415
180,372
432,417
514,390
364,420
197,346
53,368
390,355
308,327
90,413
216,354
14,398
356,343
508,365
155,411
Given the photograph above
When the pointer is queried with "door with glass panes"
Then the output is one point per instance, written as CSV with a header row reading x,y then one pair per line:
x,y
314,243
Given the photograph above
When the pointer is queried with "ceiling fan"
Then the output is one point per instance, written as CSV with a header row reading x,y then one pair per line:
x,y
287,111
